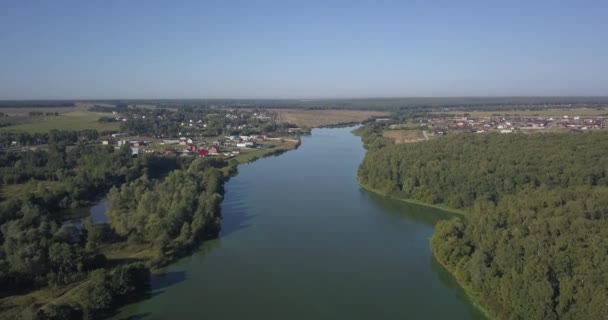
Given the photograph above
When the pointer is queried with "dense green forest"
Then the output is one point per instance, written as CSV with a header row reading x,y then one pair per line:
x,y
174,213
533,243
169,203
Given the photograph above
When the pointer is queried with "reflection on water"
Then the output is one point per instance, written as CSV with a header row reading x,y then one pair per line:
x,y
416,212
96,212
301,239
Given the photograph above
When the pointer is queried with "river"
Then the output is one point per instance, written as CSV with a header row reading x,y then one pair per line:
x,y
301,239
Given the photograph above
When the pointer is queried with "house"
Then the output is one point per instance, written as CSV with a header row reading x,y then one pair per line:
x,y
245,144
134,151
116,135
214,150
203,152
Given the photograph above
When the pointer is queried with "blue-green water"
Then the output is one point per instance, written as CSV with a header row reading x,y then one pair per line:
x,y
301,239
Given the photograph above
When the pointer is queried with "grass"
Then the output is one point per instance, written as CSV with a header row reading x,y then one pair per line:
x,y
418,202
319,118
73,120
584,112
270,148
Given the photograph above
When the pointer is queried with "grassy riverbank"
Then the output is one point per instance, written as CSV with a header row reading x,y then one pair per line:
x,y
414,201
474,298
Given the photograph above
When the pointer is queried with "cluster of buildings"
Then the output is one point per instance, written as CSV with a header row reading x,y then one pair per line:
x,y
509,124
185,146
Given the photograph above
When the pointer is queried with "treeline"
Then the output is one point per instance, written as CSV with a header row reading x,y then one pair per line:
x,y
40,114
174,213
31,224
54,136
374,103
120,108
533,242
35,104
38,249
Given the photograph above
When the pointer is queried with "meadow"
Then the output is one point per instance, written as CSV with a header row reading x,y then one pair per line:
x,y
71,120
319,118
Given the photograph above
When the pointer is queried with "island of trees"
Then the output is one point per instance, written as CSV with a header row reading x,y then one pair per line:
x,y
532,243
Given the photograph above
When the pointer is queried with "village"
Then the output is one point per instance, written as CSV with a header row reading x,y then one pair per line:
x,y
503,124
200,133
227,147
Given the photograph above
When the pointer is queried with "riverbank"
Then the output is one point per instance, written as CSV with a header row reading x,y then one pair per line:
x,y
418,202
473,297
118,253
298,231
475,300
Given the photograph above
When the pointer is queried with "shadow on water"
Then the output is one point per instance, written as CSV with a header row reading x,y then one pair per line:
x,y
235,215
157,284
237,220
415,212
428,216
138,316
448,280
167,279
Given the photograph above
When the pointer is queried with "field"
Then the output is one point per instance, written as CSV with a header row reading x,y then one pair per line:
x,y
72,120
319,118
584,112
404,136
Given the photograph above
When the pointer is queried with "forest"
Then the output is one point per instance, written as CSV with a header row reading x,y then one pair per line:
x,y
151,203
174,213
532,243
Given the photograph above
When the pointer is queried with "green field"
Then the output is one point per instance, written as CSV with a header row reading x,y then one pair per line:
x,y
74,120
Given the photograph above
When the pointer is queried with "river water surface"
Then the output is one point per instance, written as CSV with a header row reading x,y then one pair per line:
x,y
301,239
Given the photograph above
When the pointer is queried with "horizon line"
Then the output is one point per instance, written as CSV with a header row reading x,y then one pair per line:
x,y
317,98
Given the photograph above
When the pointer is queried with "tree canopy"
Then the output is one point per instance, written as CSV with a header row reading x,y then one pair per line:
x,y
534,241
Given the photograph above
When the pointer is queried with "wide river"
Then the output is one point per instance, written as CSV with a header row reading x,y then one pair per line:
x,y
301,239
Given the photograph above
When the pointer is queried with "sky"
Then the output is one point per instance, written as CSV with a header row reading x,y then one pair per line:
x,y
301,49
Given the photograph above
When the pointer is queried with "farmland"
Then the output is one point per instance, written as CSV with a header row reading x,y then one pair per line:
x,y
404,136
319,118
72,120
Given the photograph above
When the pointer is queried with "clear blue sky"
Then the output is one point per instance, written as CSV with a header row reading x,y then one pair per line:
x,y
301,49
